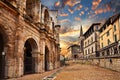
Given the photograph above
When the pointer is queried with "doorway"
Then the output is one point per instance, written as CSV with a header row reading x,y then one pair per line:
x,y
2,57
46,59
29,60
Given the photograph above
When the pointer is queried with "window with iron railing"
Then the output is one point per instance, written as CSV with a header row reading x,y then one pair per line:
x,y
108,33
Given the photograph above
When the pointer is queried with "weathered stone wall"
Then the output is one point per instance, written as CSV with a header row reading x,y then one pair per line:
x,y
113,64
17,31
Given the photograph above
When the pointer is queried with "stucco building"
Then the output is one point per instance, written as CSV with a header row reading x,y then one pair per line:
x,y
74,51
29,38
110,36
91,41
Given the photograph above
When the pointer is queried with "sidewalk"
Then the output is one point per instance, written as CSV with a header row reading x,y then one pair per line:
x,y
37,76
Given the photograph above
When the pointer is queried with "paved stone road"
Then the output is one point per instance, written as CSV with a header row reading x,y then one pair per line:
x,y
87,72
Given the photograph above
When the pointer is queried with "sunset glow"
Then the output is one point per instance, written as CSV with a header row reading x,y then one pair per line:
x,y
74,13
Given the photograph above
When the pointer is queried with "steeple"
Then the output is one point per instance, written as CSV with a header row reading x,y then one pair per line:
x,y
81,31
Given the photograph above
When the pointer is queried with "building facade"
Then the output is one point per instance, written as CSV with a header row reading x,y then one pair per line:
x,y
29,38
74,51
110,37
91,41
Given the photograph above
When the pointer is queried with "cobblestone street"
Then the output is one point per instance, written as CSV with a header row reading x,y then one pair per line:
x,y
87,72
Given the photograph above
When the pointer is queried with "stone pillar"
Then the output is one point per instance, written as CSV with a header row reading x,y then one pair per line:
x,y
36,56
50,62
10,68
42,49
41,64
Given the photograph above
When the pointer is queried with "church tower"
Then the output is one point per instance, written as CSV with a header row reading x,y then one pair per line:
x,y
81,38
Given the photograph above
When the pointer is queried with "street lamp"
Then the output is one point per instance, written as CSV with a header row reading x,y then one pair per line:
x,y
3,53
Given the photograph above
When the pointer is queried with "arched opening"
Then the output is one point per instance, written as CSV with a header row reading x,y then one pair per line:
x,y
29,61
29,8
108,52
115,50
2,57
75,56
46,16
46,59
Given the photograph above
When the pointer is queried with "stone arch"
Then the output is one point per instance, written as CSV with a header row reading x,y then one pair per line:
x,y
2,56
30,47
4,40
46,16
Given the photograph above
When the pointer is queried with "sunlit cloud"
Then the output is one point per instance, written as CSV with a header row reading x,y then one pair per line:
x,y
63,14
77,19
64,20
74,13
71,3
64,45
70,10
79,7
92,16
106,8
57,4
81,13
95,4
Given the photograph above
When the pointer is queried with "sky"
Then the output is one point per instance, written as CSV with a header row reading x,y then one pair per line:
x,y
72,14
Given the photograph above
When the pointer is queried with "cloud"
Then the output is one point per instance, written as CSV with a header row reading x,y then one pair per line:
x,y
64,20
77,19
65,29
106,8
95,4
71,3
81,13
91,16
70,10
57,4
79,7
64,45
67,39
114,5
63,14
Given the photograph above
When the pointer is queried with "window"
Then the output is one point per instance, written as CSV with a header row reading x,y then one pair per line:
x,y
88,51
115,37
102,45
85,51
103,54
92,49
91,39
101,37
108,52
114,27
85,44
109,42
108,33
88,42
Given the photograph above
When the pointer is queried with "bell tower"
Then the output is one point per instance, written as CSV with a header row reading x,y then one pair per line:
x,y
81,38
